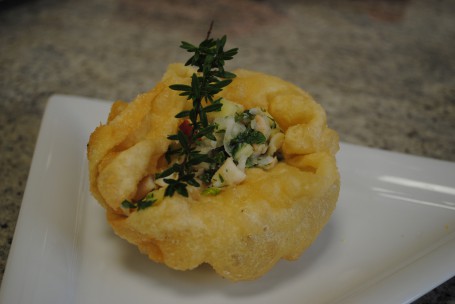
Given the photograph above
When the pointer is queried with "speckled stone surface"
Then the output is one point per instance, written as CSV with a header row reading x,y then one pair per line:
x,y
383,70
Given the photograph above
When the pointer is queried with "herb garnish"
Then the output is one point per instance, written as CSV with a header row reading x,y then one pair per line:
x,y
249,136
211,77
147,201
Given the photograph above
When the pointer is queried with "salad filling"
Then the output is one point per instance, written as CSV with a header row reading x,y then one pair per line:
x,y
242,139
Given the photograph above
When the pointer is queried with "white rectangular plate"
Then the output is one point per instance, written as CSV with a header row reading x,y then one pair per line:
x,y
390,240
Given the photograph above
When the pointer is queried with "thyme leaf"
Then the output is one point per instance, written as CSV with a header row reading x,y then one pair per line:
x,y
142,204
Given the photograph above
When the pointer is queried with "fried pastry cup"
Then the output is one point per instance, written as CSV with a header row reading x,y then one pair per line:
x,y
245,229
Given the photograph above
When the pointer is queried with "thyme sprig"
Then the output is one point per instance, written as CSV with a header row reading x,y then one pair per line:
x,y
210,79
146,202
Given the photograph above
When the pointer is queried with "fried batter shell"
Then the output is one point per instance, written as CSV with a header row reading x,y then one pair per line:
x,y
128,147
247,228
243,231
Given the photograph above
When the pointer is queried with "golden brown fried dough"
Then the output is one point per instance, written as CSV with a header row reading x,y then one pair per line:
x,y
244,230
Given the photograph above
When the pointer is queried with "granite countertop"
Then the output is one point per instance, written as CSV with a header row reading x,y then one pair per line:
x,y
383,70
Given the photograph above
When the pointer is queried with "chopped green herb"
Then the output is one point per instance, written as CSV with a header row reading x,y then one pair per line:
x,y
128,205
147,201
141,205
221,178
211,191
245,117
249,136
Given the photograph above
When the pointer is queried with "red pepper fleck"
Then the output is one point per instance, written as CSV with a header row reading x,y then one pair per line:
x,y
186,127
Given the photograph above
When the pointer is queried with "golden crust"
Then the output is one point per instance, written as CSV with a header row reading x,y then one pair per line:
x,y
243,231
